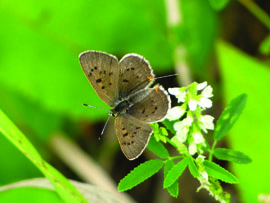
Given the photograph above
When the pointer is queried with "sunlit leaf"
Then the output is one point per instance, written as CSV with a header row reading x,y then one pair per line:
x,y
140,174
231,155
66,190
193,168
218,172
175,173
157,148
174,188
229,116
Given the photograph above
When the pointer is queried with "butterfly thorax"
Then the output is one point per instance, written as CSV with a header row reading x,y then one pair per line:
x,y
120,108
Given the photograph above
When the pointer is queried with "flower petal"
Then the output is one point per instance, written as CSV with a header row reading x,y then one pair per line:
x,y
207,92
201,85
192,104
176,112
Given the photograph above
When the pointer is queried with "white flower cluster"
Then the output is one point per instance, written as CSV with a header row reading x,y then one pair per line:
x,y
189,129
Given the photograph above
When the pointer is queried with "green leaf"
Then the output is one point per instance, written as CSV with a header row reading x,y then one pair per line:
x,y
158,148
174,188
218,4
175,173
193,168
243,73
265,46
140,174
218,172
229,116
30,194
63,187
231,155
169,125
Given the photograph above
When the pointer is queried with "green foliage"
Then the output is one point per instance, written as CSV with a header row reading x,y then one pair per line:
x,y
30,194
158,148
188,140
65,190
175,173
218,4
193,168
265,46
174,188
229,116
243,73
42,84
218,172
231,155
140,174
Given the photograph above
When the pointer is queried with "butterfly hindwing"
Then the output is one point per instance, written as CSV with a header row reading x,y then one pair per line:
x,y
135,73
150,104
101,69
133,135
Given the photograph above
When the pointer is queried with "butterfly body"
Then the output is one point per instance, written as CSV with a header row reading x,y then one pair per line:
x,y
124,86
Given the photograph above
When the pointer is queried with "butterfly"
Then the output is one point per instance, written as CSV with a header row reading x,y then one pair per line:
x,y
125,86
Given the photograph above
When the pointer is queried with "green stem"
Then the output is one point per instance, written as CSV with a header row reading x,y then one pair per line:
x,y
257,11
168,140
211,151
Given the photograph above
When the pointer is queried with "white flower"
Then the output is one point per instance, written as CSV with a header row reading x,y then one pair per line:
x,y
181,135
205,102
179,93
192,104
192,148
201,85
206,122
203,98
176,112
198,138
207,92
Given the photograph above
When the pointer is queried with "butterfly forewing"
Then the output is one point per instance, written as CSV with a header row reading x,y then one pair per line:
x,y
101,69
150,104
135,74
133,135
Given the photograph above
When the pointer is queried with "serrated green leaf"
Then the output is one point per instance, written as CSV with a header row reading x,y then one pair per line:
x,y
175,173
193,168
139,174
218,4
231,155
158,148
229,116
218,172
174,188
62,186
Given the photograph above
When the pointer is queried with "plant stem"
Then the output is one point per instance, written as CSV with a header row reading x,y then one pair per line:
x,y
168,140
257,12
211,151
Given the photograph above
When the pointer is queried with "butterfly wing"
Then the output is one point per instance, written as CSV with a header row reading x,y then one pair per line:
x,y
150,104
133,135
135,74
101,69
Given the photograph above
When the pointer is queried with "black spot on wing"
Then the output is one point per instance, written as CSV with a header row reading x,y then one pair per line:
x,y
98,80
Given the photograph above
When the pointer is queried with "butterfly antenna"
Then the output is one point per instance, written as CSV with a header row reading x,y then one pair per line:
x,y
106,124
166,76
96,107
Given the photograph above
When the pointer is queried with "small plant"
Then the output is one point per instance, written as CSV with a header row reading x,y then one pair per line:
x,y
189,126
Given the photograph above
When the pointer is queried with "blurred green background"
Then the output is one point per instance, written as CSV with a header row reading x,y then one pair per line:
x,y
42,86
